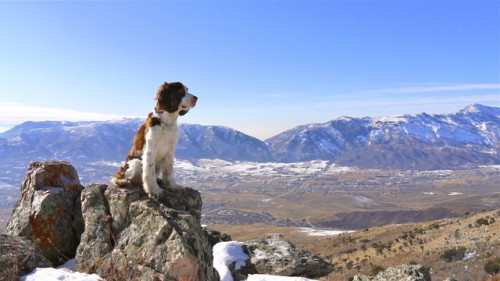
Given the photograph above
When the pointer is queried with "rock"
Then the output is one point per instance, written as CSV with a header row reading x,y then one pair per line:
x,y
130,236
47,211
275,255
19,256
215,236
399,273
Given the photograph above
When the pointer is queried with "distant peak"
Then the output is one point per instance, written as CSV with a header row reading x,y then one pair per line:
x,y
479,108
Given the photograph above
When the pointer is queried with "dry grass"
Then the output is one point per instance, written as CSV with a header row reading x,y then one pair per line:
x,y
392,245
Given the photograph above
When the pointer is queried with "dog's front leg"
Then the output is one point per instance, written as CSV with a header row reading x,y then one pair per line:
x,y
148,169
168,172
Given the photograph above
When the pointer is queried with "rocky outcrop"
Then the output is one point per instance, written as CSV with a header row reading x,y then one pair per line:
x,y
48,210
129,236
18,256
399,273
215,236
275,255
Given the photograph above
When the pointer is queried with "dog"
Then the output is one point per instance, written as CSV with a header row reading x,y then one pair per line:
x,y
154,144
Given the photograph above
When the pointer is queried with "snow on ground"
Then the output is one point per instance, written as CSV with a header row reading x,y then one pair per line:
x,y
253,168
225,253
469,255
63,273
323,232
363,199
454,193
260,277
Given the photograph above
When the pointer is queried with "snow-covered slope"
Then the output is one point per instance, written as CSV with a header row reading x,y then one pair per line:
x,y
111,141
212,142
419,141
71,141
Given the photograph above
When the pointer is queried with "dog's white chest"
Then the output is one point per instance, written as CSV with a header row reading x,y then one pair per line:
x,y
163,140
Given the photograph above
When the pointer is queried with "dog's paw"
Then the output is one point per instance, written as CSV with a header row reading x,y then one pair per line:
x,y
153,190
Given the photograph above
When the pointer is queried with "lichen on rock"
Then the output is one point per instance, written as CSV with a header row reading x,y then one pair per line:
x,y
143,238
48,210
275,255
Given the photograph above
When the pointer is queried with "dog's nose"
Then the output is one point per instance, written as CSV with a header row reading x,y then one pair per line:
x,y
195,99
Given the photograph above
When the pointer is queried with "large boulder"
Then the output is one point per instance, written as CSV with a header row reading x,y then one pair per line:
x,y
48,210
19,256
276,255
399,273
130,236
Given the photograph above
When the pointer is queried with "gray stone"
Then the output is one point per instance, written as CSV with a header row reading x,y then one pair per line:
x,y
215,236
130,236
19,256
275,255
399,273
47,211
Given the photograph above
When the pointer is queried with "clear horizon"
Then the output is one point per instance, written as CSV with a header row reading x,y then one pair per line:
x,y
260,67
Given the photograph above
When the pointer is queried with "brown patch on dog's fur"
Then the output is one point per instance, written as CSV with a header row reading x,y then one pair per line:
x,y
138,143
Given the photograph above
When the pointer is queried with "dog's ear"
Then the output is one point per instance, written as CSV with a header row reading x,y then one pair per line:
x,y
168,98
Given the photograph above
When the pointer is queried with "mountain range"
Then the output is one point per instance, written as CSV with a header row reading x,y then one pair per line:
x,y
413,141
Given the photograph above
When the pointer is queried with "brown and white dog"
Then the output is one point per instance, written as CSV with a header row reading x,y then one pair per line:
x,y
154,144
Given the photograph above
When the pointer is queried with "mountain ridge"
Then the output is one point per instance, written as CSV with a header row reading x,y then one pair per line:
x,y
410,141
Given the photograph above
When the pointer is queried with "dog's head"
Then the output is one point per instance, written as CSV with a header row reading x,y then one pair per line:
x,y
174,98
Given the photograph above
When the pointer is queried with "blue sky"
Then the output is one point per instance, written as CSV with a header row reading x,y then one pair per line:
x,y
260,67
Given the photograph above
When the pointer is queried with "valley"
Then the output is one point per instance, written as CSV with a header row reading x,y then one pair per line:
x,y
312,194
319,194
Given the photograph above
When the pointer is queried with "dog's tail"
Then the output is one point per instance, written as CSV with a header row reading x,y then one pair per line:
x,y
122,181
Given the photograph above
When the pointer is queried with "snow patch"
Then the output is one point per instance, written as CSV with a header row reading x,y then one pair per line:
x,y
63,273
391,119
469,255
454,193
225,253
363,199
323,232
261,277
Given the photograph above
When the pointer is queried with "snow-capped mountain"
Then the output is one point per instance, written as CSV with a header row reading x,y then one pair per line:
x,y
71,141
217,142
418,141
111,141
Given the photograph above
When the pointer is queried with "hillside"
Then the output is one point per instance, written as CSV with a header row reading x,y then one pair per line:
x,y
391,245
418,141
